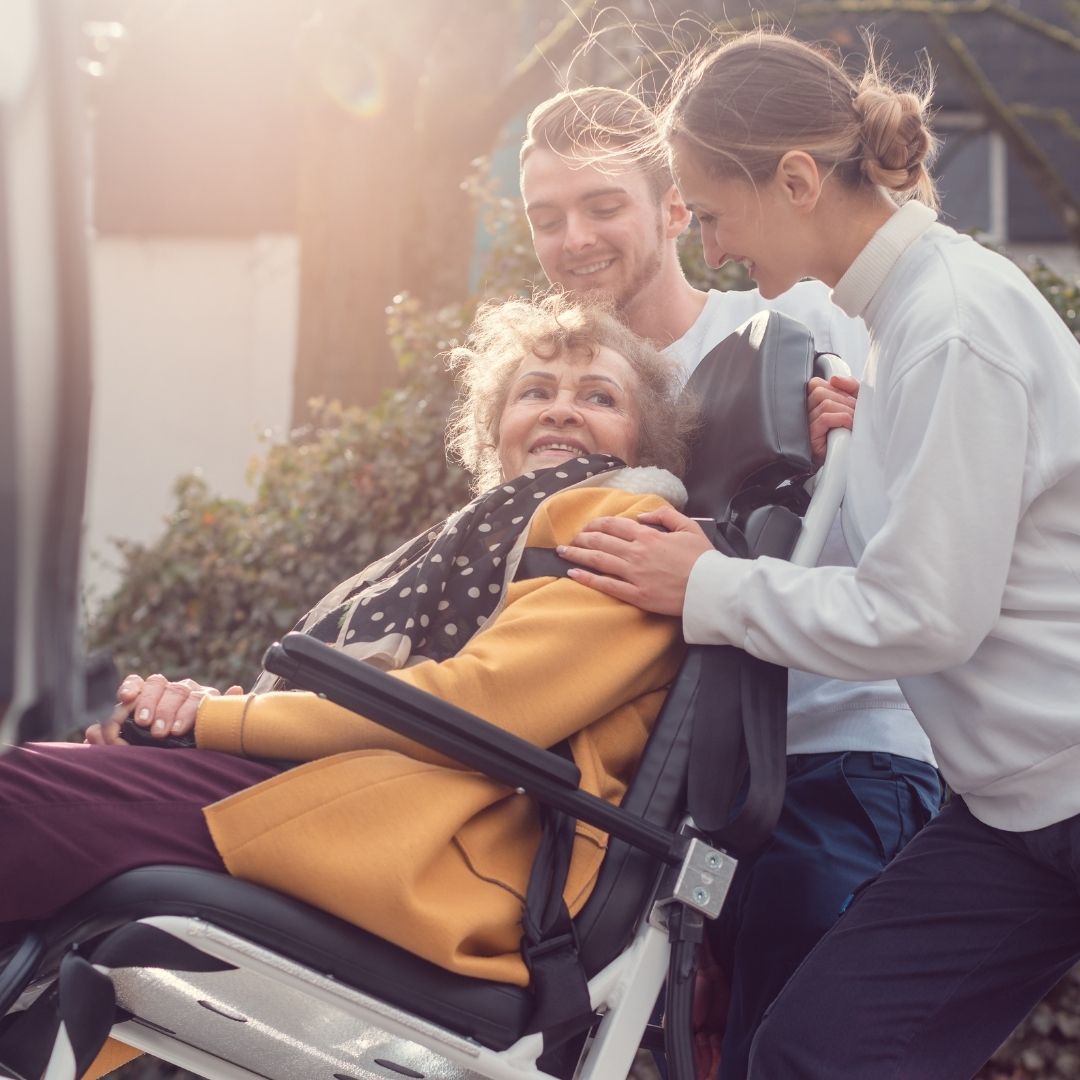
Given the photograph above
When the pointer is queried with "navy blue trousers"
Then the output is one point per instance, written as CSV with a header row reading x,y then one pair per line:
x,y
844,817
936,961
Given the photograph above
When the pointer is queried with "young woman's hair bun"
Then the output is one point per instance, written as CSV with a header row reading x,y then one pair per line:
x,y
897,144
745,103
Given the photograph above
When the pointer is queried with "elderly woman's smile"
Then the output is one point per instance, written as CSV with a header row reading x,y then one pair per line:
x,y
568,406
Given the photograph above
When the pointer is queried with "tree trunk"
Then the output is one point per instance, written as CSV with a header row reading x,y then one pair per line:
x,y
353,170
395,113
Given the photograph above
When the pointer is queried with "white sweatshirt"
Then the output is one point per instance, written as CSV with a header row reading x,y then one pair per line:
x,y
825,715
963,511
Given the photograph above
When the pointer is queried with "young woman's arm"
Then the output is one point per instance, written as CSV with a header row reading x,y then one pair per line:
x,y
928,586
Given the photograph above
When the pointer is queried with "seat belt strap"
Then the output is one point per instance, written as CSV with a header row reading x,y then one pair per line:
x,y
549,944
740,728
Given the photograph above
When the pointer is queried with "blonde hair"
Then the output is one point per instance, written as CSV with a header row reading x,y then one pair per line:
x,y
505,332
746,103
599,125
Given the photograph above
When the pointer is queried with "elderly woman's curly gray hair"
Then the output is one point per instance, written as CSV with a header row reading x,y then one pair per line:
x,y
505,332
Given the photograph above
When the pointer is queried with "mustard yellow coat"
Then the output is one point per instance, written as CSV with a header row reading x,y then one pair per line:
x,y
390,836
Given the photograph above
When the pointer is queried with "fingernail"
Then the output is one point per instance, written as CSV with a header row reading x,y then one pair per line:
x,y
573,572
560,548
144,714
159,727
177,727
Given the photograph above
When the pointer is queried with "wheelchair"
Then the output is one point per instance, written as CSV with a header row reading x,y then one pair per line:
x,y
230,980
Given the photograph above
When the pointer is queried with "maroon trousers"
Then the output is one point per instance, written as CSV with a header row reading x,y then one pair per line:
x,y
73,816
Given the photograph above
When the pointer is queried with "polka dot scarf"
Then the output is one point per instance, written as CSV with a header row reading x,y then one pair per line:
x,y
425,600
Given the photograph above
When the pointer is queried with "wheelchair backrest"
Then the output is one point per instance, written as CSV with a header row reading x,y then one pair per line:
x,y
754,435
753,442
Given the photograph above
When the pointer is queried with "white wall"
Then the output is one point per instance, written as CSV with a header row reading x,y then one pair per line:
x,y
194,345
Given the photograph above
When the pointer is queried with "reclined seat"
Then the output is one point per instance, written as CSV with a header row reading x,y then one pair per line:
x,y
229,979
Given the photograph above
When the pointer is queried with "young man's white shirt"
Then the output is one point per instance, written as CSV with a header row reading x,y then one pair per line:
x,y
963,509
825,715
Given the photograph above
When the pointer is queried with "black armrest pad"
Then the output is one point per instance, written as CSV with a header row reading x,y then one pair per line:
x,y
313,665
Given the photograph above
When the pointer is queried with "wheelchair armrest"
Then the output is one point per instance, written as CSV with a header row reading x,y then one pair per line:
x,y
416,714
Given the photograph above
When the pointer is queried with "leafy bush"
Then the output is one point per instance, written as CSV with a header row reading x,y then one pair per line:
x,y
1046,1046
227,576
1063,293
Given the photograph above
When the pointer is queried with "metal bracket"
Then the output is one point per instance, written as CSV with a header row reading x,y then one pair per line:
x,y
701,882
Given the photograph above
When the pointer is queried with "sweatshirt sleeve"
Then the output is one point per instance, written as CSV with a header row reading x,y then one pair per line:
x,y
558,657
929,584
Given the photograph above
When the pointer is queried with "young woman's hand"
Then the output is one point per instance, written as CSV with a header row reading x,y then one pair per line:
x,y
638,564
163,707
829,405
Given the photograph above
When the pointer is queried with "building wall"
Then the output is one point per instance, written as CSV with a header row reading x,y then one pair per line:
x,y
194,344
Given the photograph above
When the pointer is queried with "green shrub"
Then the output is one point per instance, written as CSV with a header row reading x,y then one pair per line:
x,y
227,577
1063,293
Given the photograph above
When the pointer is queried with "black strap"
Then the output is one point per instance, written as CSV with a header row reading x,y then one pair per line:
x,y
740,728
541,562
549,944
137,735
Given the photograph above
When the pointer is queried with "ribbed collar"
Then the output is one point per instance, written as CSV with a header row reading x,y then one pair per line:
x,y
871,267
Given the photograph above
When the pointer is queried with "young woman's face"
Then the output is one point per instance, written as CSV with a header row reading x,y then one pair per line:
x,y
566,407
741,222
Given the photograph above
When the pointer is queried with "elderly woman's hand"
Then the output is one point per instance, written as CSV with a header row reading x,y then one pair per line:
x,y
636,563
165,708
830,405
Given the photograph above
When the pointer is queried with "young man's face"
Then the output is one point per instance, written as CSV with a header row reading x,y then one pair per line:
x,y
594,229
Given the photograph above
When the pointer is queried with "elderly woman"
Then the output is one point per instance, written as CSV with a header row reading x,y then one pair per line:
x,y
372,827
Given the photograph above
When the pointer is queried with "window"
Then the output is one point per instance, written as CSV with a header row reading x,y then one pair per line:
x,y
971,175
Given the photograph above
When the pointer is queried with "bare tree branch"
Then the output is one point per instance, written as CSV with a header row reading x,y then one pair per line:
x,y
532,77
1039,26
1060,118
1031,155
820,8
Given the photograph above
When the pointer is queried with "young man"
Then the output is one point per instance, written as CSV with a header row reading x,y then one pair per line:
x,y
605,216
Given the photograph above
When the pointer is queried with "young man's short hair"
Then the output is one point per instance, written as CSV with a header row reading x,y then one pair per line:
x,y
607,125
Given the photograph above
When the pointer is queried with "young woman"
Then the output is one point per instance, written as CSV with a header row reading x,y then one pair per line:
x,y
963,511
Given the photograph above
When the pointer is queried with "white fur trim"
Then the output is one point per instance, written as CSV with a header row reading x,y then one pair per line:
x,y
647,480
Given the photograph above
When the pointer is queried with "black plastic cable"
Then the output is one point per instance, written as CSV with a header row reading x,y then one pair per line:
x,y
686,928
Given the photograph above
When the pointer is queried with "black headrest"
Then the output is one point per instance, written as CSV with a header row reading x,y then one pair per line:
x,y
754,434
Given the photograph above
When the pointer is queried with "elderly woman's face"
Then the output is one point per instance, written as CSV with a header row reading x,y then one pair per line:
x,y
565,407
